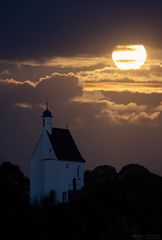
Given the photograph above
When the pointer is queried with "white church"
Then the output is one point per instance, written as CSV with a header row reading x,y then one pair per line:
x,y
56,164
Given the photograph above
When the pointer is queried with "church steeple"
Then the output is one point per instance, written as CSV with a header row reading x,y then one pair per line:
x,y
47,113
47,119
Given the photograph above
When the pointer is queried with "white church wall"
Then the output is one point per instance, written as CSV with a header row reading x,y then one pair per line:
x,y
52,175
67,172
59,177
50,168
39,167
37,172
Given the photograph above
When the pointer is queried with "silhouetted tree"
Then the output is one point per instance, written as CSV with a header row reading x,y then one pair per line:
x,y
14,186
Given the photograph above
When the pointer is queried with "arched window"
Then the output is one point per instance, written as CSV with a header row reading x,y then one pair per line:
x,y
74,184
64,197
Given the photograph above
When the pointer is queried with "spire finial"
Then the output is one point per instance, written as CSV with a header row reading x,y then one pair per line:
x,y
46,103
46,112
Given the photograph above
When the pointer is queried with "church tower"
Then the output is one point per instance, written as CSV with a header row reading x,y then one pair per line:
x,y
47,120
56,163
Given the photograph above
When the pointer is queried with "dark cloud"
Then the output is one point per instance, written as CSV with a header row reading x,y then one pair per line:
x,y
125,97
100,137
43,29
116,145
123,145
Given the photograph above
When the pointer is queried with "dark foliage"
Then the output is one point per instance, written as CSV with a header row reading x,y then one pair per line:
x,y
14,186
14,200
113,206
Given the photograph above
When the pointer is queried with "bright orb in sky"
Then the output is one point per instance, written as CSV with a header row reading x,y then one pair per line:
x,y
127,57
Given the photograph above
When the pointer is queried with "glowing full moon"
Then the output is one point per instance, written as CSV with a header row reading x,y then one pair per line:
x,y
127,57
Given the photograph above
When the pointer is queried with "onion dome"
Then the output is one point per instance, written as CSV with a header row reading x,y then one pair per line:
x,y
47,113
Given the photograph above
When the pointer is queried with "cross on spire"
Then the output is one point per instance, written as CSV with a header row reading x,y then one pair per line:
x,y
46,103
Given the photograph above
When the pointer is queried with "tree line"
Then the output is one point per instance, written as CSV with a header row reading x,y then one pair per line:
x,y
111,205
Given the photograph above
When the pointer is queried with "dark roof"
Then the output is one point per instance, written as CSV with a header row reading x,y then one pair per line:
x,y
47,113
64,145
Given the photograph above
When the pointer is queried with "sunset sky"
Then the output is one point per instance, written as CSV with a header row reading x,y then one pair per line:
x,y
62,49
